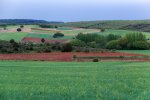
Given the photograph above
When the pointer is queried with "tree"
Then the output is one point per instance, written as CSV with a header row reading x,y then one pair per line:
x,y
78,43
138,45
21,26
113,45
101,40
19,29
87,37
5,28
102,30
12,41
123,42
132,37
111,37
67,47
42,40
58,34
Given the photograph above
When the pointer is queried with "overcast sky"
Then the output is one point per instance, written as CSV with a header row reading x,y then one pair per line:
x,y
75,10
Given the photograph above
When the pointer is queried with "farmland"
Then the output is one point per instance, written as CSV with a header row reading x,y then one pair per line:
x,y
49,80
34,32
44,70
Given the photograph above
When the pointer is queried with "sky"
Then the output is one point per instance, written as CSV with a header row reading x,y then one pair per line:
x,y
75,10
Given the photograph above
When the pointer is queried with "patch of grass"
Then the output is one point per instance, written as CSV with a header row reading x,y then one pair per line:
x,y
48,36
146,52
74,81
17,36
64,28
25,26
34,35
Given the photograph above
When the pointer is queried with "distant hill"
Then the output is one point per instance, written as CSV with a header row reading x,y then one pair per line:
x,y
26,21
139,25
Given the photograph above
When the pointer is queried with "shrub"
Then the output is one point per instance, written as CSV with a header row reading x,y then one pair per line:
x,y
140,45
113,45
96,60
21,26
47,49
19,29
86,50
74,56
86,37
58,34
67,47
111,37
102,30
12,41
123,42
47,26
122,57
42,40
78,43
132,37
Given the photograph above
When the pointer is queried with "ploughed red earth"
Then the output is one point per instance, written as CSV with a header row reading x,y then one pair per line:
x,y
65,57
38,40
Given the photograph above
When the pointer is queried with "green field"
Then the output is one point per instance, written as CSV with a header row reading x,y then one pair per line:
x,y
68,32
34,35
47,36
64,28
146,52
28,80
17,36
25,26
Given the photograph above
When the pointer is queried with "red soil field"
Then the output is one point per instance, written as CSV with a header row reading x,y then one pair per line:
x,y
62,57
38,40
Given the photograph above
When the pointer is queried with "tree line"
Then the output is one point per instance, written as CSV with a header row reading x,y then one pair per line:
x,y
131,41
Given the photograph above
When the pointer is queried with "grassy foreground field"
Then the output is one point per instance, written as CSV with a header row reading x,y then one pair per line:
x,y
24,80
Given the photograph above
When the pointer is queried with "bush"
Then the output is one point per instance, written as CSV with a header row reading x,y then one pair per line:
x,y
86,50
132,37
21,26
58,34
74,56
19,29
122,57
67,47
42,40
111,37
113,45
123,42
86,37
102,30
48,26
12,41
140,45
96,60
47,50
78,43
